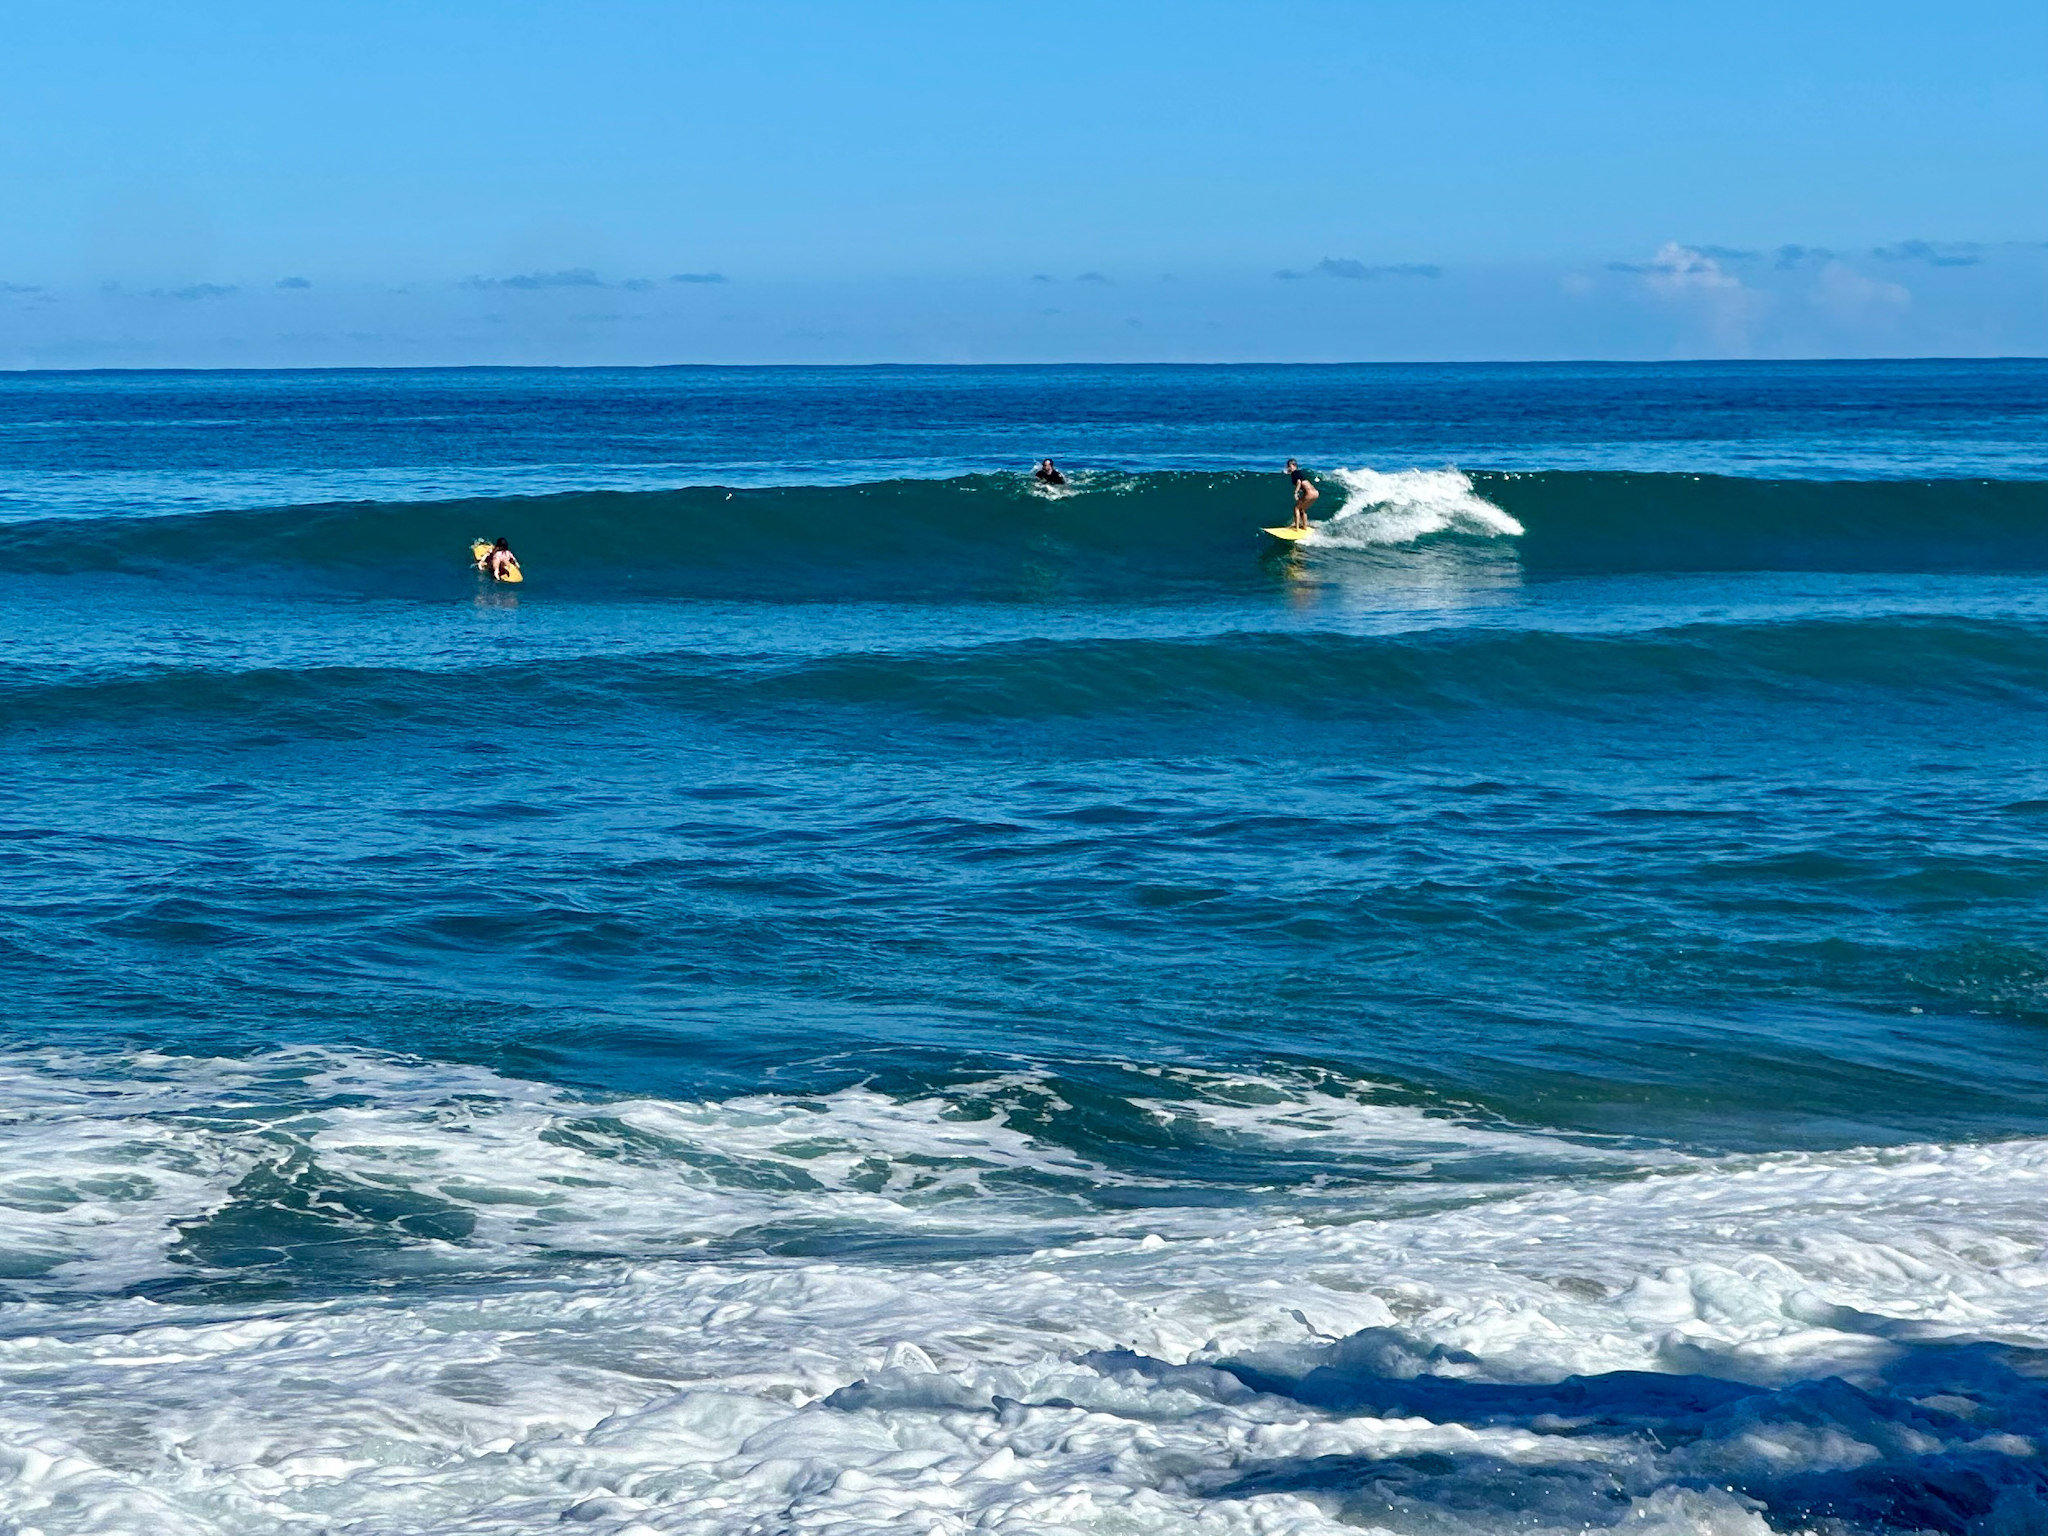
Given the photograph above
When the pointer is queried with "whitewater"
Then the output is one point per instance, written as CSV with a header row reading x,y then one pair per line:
x,y
597,1335
868,997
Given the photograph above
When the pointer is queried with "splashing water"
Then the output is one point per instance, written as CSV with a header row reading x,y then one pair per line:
x,y
1411,504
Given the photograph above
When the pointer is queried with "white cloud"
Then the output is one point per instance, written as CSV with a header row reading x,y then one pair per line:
x,y
1680,270
1684,274
1850,296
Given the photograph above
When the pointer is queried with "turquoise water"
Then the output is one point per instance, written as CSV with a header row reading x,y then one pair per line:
x,y
870,995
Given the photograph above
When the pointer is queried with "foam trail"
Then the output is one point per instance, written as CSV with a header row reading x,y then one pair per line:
x,y
1410,504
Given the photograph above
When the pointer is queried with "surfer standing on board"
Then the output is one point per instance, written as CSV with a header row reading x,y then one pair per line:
x,y
1305,493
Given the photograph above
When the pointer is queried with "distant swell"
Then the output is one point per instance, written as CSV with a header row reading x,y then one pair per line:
x,y
1111,535
1858,664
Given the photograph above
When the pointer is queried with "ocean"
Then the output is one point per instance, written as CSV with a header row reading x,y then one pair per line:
x,y
871,995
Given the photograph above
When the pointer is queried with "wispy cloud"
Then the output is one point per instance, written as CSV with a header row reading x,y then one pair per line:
x,y
584,277
1344,267
1679,269
1727,252
20,288
1790,256
195,291
1949,253
1850,296
293,282
1093,277
568,277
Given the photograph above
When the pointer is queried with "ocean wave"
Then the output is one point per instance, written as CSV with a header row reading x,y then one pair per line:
x,y
1314,676
282,1165
600,1331
1108,533
1407,506
1627,522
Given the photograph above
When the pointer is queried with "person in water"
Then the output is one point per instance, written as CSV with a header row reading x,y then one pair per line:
x,y
498,560
1048,474
1305,493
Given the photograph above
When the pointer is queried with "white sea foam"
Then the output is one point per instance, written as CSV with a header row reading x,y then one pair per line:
x,y
621,1371
1401,506
1314,1114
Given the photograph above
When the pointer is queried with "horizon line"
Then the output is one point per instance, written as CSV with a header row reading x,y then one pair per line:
x,y
850,367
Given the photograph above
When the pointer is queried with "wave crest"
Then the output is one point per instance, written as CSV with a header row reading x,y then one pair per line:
x,y
1109,535
1402,506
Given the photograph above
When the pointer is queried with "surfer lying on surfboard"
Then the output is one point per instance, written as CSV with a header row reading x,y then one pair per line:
x,y
497,560
1305,493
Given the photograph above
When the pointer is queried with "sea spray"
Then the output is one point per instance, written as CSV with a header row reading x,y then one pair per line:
x,y
1405,505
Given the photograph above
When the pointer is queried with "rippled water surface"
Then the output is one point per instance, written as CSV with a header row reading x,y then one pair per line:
x,y
868,995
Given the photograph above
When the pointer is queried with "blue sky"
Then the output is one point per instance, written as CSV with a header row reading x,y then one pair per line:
x,y
246,183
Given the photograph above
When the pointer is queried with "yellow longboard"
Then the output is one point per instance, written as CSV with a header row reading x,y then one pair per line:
x,y
479,549
1289,534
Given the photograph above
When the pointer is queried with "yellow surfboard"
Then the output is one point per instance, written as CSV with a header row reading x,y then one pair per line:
x,y
1289,534
480,548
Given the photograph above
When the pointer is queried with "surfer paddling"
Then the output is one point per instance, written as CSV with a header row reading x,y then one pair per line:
x,y
497,561
1048,473
1305,493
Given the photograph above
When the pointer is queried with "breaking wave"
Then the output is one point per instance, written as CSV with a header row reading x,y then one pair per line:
x,y
1109,533
1409,505
622,1321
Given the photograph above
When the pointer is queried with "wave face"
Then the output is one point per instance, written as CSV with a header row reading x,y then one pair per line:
x,y
1621,522
1108,535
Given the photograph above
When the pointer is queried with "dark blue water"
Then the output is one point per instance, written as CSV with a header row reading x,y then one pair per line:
x,y
857,940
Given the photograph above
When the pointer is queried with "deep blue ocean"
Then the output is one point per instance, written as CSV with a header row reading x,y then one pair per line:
x,y
871,995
